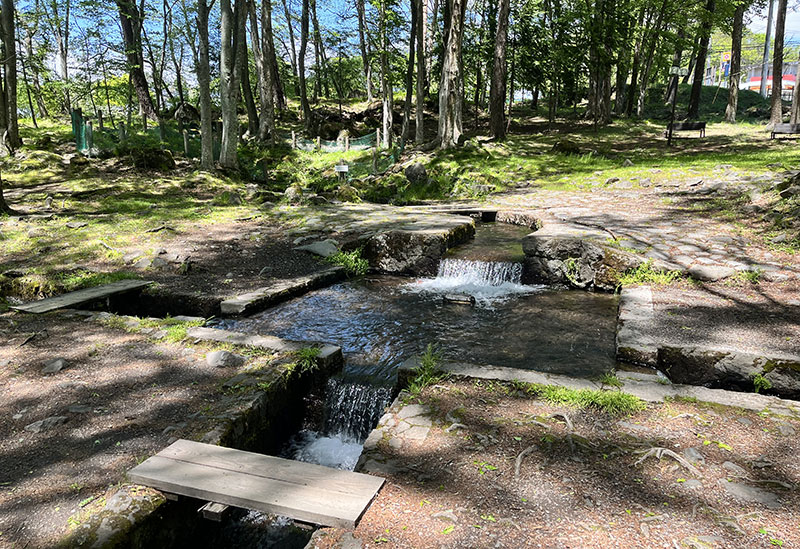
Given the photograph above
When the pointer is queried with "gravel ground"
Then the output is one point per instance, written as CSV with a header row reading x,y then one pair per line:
x,y
586,484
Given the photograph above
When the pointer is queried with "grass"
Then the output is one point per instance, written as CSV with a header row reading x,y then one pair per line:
x,y
611,402
353,263
646,273
427,373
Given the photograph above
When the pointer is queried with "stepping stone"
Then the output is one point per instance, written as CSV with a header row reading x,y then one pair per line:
x,y
711,273
751,494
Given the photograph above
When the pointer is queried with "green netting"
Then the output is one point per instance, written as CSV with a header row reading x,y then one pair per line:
x,y
359,143
79,131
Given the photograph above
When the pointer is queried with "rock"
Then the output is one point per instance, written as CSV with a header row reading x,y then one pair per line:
x,y
79,409
711,273
694,455
779,239
228,198
143,263
323,248
45,424
293,194
76,224
744,421
794,190
224,359
159,263
152,158
566,146
627,163
735,469
751,494
612,180
416,173
786,430
54,365
131,257
692,484
413,410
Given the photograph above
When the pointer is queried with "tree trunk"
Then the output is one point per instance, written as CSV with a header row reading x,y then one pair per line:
x,y
736,63
767,41
700,67
4,207
497,93
301,66
10,63
633,90
672,86
231,30
131,20
290,28
795,116
776,115
247,91
267,128
363,44
409,75
420,103
450,90
648,65
386,84
268,47
61,35
204,85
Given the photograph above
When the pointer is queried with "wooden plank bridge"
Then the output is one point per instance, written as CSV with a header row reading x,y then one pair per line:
x,y
80,297
300,491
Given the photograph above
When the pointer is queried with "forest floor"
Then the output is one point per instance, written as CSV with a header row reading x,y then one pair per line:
x,y
107,221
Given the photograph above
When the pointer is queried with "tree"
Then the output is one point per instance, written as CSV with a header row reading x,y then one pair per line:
x,y
232,38
734,76
420,107
11,139
4,207
131,21
301,66
409,75
776,114
700,67
387,90
58,18
497,93
363,44
451,92
202,69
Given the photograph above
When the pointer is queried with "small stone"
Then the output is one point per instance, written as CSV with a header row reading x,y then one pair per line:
x,y
786,430
779,238
395,443
224,359
735,469
692,484
448,515
55,365
794,190
79,409
76,224
627,163
143,263
744,421
751,494
293,194
45,424
612,180
131,257
710,273
416,173
413,410
159,263
694,455
324,248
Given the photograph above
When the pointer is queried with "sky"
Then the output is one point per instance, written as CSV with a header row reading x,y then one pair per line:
x,y
758,22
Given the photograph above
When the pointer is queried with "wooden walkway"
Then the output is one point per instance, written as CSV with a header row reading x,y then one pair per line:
x,y
301,491
81,296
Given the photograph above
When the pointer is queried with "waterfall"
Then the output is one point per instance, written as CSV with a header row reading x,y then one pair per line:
x,y
353,409
480,273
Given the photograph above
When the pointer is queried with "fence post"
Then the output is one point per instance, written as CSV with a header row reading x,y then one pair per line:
x,y
319,144
185,142
89,138
100,120
346,143
374,160
378,138
294,140
123,135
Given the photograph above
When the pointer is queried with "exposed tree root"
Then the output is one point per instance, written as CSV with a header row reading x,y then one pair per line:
x,y
660,452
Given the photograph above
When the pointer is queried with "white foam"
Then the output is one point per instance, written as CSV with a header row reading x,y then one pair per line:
x,y
333,451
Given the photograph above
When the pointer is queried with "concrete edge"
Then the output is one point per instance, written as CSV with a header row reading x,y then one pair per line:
x,y
647,390
635,319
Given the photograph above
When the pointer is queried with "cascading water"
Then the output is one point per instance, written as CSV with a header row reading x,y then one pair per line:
x,y
487,281
352,410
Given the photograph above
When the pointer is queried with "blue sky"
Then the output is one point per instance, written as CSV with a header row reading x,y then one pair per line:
x,y
758,22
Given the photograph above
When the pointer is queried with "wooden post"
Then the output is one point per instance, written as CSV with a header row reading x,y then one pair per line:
x,y
374,160
378,138
123,135
89,138
319,144
185,142
100,120
346,143
294,140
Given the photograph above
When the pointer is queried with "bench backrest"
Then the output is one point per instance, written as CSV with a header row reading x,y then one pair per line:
x,y
689,126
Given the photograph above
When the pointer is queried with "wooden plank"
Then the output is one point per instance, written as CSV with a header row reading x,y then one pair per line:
x,y
79,297
214,511
301,491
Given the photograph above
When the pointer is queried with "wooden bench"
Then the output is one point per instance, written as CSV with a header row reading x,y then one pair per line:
x,y
785,129
687,126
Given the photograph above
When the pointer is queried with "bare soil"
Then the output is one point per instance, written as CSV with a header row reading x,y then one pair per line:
x,y
586,484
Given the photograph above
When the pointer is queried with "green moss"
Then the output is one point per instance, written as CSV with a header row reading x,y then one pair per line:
x,y
612,402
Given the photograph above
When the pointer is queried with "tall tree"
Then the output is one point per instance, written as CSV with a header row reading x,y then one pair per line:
x,y
704,34
776,113
292,49
409,75
734,76
131,19
387,91
451,93
420,103
268,54
231,34
497,94
795,116
204,83
58,19
363,43
301,65
601,37
10,72
767,44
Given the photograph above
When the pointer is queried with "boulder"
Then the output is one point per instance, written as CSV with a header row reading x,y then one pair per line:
x,y
789,192
566,146
54,365
152,158
416,173
45,424
228,198
293,194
